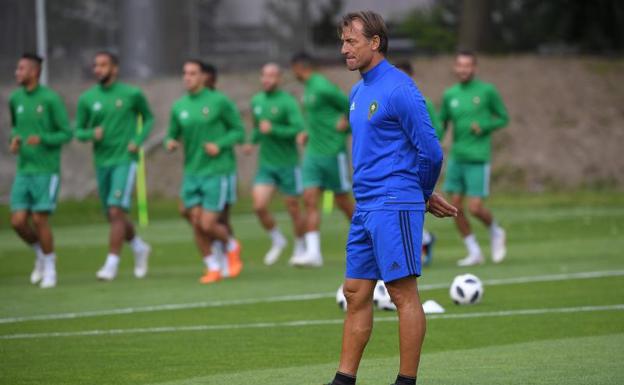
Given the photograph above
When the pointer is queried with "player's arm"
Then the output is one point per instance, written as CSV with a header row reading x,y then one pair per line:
x,y
443,118
410,110
500,118
81,131
340,102
15,137
142,108
61,131
254,137
294,125
234,125
435,119
173,131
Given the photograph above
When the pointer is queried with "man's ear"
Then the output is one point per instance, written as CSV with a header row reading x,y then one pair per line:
x,y
375,43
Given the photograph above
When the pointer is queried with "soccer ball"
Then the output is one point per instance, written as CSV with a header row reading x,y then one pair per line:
x,y
466,289
340,299
381,297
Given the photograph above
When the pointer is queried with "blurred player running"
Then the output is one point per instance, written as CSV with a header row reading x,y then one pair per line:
x,y
107,115
39,128
276,123
208,125
476,110
325,165
428,238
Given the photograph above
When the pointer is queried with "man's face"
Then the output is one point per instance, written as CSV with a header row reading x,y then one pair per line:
x,y
270,77
298,70
465,67
192,77
356,48
26,72
104,69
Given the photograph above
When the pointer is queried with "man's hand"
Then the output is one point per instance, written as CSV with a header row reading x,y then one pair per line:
x,y
33,140
342,124
133,148
98,133
439,207
15,145
212,149
474,127
265,126
302,138
247,149
172,145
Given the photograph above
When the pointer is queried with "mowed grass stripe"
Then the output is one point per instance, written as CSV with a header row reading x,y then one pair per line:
x,y
291,298
303,323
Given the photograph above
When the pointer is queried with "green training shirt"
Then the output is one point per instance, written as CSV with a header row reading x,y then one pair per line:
x,y
39,112
116,109
473,102
323,104
206,117
278,148
435,119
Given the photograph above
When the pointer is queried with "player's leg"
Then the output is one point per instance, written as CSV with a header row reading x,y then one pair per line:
x,y
214,191
358,323
412,324
344,203
46,240
337,180
292,203
184,212
312,175
262,192
212,231
478,188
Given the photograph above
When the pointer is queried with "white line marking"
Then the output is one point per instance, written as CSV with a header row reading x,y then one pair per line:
x,y
300,323
291,298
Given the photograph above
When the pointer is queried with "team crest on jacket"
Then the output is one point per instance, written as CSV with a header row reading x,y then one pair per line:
x,y
374,106
118,103
39,109
476,100
205,110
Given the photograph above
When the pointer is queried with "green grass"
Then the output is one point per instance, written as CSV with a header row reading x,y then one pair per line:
x,y
261,343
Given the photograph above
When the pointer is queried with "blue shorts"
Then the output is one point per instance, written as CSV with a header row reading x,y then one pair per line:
x,y
385,244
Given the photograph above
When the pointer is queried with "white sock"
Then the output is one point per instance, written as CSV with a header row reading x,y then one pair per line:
x,y
494,229
49,261
217,248
37,248
313,242
276,236
231,244
426,237
112,260
137,244
471,244
212,262
300,246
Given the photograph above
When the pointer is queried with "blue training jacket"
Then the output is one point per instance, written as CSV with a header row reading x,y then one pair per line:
x,y
396,154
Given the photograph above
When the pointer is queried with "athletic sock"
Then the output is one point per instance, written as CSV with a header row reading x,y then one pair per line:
x,y
471,244
112,260
137,244
405,380
231,243
49,261
494,229
212,262
426,237
343,379
37,248
313,242
277,238
300,246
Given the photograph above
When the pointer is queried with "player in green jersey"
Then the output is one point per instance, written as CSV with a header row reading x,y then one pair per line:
x,y
208,125
276,123
107,115
39,128
476,110
428,238
325,165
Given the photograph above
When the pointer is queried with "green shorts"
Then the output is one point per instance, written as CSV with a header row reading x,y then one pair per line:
x,y
286,179
326,172
116,184
208,191
35,192
467,178
232,194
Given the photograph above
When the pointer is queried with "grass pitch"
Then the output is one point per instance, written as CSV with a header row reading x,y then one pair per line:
x,y
552,313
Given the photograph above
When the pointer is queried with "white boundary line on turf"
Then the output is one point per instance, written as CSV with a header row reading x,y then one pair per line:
x,y
301,323
292,298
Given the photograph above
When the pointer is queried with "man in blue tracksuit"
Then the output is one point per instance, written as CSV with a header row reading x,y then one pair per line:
x,y
396,161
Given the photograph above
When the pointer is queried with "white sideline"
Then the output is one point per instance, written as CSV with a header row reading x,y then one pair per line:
x,y
268,325
291,298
